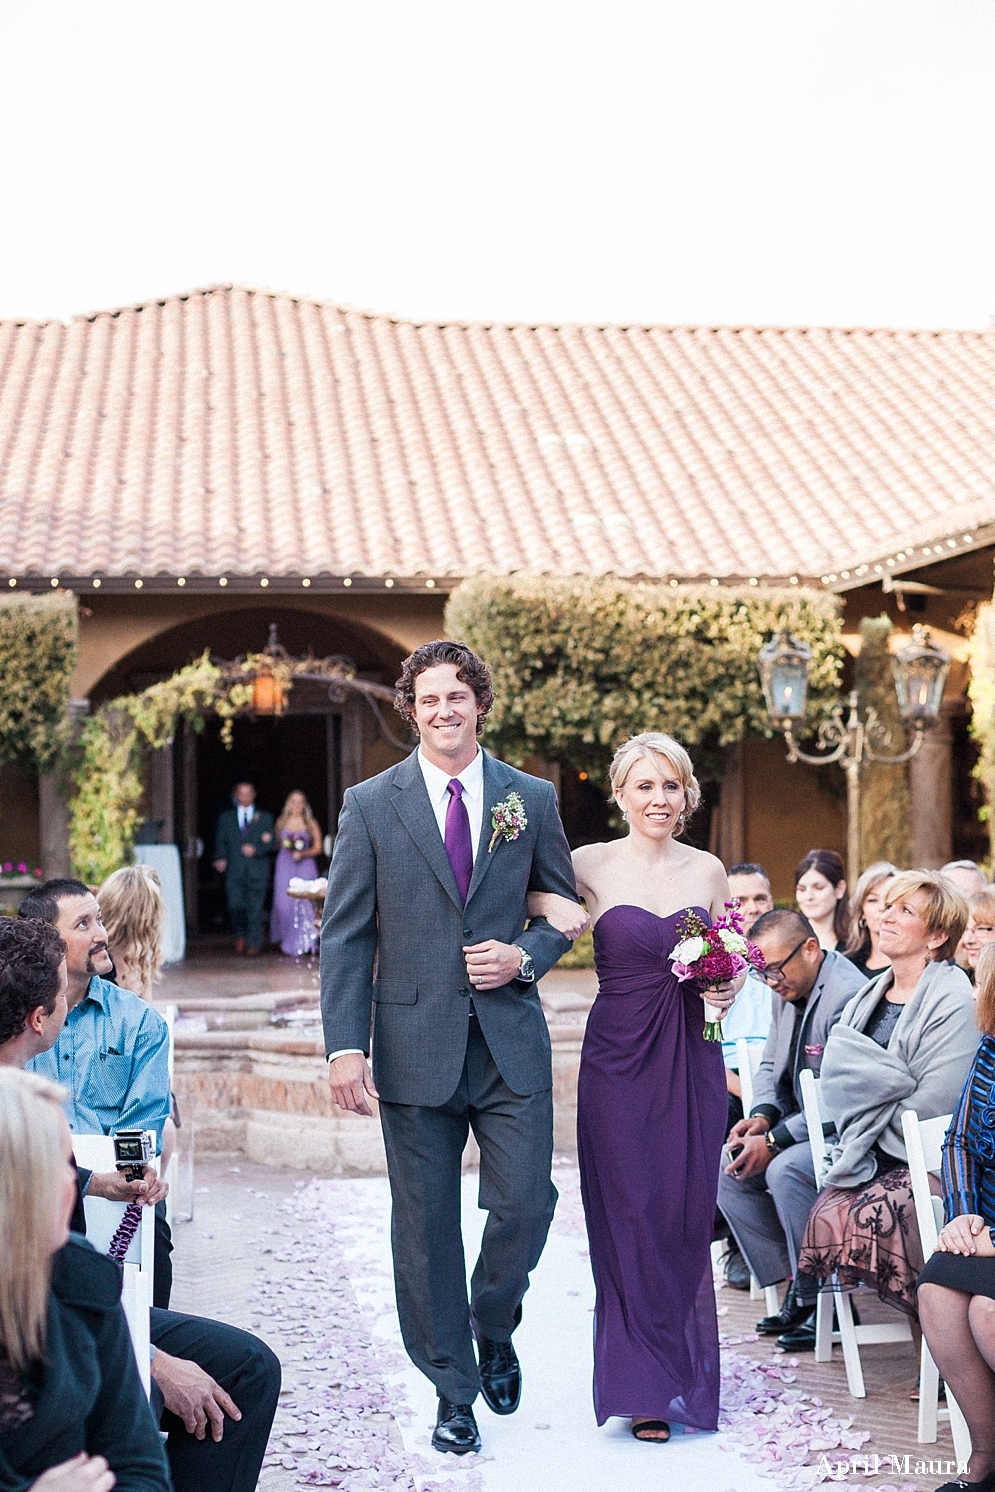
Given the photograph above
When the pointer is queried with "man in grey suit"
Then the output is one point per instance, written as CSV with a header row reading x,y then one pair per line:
x,y
425,925
768,1188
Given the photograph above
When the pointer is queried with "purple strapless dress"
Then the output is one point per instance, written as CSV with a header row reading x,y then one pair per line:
x,y
651,1122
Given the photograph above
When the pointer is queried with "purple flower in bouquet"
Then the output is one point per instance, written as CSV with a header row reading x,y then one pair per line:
x,y
714,955
22,869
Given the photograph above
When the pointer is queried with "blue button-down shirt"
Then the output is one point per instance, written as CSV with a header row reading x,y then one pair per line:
x,y
113,1056
750,1016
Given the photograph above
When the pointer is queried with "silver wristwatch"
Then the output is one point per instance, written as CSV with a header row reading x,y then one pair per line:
x,y
526,969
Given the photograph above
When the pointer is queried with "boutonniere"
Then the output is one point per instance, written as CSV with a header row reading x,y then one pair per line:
x,y
507,819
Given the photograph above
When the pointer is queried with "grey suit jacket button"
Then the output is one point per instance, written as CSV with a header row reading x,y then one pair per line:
x,y
468,932
465,990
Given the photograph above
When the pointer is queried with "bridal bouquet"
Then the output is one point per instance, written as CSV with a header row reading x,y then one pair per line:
x,y
712,955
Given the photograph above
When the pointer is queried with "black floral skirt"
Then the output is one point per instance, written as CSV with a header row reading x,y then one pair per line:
x,y
868,1237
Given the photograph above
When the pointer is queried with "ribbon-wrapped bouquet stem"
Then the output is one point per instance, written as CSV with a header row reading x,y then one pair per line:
x,y
714,955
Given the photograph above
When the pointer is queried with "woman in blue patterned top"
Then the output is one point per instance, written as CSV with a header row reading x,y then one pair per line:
x,y
957,1286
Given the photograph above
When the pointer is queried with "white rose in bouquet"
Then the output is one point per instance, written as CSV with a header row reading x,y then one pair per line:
x,y
689,951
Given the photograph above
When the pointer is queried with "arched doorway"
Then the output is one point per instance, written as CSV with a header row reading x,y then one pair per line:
x,y
320,744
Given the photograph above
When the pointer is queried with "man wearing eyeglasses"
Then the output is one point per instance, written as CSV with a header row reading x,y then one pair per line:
x,y
767,1189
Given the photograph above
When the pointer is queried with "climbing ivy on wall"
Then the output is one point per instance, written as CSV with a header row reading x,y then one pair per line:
x,y
39,642
981,692
107,759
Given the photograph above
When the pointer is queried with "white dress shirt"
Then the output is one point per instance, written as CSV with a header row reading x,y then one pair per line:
x,y
437,784
246,812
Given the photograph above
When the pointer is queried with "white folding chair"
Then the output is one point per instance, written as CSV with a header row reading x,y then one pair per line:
x,y
850,1336
96,1153
924,1143
748,1058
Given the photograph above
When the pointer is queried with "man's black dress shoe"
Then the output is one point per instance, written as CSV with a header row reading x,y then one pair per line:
x,y
987,1484
802,1339
793,1313
455,1428
500,1375
737,1270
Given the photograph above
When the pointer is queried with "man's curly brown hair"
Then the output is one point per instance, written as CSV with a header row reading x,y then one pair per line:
x,y
469,669
30,955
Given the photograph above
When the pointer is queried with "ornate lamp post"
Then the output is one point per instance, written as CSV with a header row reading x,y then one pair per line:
x,y
921,671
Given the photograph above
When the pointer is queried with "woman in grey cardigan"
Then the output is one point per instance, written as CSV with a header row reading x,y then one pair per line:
x,y
905,1041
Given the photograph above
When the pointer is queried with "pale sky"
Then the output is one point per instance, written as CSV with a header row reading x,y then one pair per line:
x,y
709,161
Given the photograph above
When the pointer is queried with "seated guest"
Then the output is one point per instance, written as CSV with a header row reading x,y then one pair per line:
x,y
904,1042
201,1370
957,1286
821,894
750,1016
748,1020
863,946
33,1007
969,878
980,929
113,1053
767,1189
133,911
966,875
73,1414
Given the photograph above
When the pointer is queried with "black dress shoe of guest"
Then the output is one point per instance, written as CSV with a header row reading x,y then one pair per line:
x,y
500,1375
737,1271
802,1339
455,1428
987,1484
793,1313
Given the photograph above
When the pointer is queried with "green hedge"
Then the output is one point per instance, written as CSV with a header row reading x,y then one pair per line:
x,y
580,665
39,643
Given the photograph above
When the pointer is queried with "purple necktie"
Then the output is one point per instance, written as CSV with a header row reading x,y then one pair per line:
x,y
459,846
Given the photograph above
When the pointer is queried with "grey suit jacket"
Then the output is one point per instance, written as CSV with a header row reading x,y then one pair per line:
x,y
837,982
394,928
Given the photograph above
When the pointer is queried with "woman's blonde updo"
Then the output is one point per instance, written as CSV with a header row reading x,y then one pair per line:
x,y
654,744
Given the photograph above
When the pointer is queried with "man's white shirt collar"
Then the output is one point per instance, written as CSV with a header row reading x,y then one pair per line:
x,y
437,785
437,781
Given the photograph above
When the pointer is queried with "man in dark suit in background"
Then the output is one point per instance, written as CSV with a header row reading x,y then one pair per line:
x,y
242,853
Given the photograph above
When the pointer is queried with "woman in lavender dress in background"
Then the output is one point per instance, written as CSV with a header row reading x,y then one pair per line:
x,y
651,1104
291,923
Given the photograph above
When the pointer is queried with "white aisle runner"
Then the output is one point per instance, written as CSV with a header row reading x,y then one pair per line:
x,y
552,1443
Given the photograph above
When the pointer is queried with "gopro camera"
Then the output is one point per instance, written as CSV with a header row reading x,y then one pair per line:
x,y
134,1149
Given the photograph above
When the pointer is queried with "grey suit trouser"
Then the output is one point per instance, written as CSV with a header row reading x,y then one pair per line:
x,y
424,1160
768,1213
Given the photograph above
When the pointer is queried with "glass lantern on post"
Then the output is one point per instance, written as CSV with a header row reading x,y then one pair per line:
x,y
784,665
920,670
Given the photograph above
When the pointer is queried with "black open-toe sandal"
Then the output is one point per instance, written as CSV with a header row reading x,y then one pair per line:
x,y
639,1431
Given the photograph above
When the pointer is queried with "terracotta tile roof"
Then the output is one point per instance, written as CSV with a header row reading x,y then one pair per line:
x,y
245,433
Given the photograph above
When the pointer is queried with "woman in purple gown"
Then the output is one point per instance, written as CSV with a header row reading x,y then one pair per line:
x,y
291,923
651,1105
